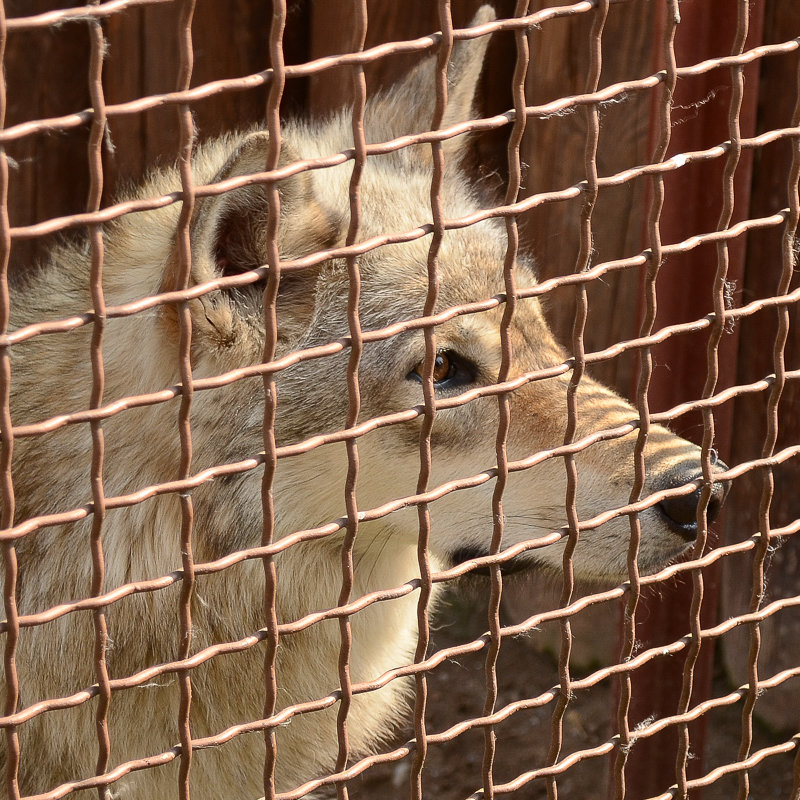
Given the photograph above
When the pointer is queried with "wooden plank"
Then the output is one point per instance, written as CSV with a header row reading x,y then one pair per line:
x,y
230,40
49,176
554,149
331,33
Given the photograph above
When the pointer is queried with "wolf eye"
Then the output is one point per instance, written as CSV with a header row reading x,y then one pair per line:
x,y
449,371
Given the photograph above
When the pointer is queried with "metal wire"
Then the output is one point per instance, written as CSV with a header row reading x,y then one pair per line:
x,y
276,87
10,674
429,397
353,391
186,128
504,405
98,384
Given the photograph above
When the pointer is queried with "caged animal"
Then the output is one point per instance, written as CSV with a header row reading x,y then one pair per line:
x,y
51,472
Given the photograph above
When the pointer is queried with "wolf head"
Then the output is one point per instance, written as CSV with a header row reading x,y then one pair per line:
x,y
229,237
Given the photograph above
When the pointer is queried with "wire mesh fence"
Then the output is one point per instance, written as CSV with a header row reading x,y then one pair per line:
x,y
261,413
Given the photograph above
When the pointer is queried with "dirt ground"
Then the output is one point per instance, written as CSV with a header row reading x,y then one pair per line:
x,y
453,769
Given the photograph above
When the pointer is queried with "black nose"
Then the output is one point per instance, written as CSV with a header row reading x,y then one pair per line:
x,y
681,512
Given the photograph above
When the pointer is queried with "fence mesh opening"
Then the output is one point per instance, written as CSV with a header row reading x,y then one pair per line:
x,y
317,479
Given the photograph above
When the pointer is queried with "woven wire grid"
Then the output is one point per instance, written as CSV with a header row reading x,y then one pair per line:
x,y
511,209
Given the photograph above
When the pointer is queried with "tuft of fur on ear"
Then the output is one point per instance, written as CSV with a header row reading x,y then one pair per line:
x,y
229,237
408,107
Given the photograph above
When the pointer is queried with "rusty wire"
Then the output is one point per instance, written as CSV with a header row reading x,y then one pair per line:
x,y
9,553
184,645
443,53
639,660
228,561
55,612
99,410
504,406
276,88
353,391
98,386
122,501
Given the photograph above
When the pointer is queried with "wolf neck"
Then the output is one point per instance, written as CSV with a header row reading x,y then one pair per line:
x,y
382,564
382,561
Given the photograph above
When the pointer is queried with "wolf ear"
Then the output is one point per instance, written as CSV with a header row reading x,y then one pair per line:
x,y
229,237
229,232
409,105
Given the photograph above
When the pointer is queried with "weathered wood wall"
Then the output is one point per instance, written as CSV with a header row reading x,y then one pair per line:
x,y
781,633
46,73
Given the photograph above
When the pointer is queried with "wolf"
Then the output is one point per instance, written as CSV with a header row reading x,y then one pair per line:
x,y
51,375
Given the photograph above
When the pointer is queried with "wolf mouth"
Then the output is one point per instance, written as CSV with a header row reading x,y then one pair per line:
x,y
510,567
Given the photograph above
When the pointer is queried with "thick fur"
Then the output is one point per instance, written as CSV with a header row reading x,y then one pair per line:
x,y
51,375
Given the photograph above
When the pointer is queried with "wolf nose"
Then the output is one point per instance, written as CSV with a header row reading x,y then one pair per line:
x,y
681,512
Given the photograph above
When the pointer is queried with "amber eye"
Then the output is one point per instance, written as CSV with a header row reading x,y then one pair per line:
x,y
449,371
441,368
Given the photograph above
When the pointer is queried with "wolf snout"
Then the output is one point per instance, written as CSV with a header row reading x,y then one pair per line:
x,y
680,512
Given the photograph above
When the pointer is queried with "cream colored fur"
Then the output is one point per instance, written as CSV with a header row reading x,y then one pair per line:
x,y
51,375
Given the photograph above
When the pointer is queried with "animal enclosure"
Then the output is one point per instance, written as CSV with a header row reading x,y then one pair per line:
x,y
644,156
